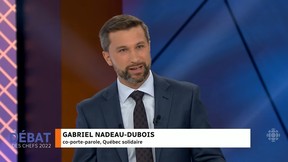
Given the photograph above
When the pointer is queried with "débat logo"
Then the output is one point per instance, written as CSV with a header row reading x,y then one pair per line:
x,y
29,137
25,139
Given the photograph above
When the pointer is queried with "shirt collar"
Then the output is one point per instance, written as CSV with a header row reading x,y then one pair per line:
x,y
147,87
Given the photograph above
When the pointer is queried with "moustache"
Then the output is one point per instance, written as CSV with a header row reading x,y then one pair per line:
x,y
135,65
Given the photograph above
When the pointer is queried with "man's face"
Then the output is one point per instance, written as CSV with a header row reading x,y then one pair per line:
x,y
129,54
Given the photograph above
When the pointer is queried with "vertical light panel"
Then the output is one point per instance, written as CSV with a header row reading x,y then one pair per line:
x,y
8,79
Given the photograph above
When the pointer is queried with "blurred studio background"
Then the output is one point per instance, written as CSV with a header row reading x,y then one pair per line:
x,y
236,51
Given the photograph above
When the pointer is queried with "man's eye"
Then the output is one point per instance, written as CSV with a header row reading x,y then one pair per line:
x,y
140,46
123,50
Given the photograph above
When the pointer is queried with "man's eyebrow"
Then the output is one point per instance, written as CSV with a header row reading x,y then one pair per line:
x,y
139,43
121,47
142,42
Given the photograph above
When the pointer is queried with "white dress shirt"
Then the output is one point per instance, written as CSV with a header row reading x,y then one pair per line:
x,y
127,105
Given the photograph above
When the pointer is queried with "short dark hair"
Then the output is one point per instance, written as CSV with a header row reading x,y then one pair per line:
x,y
120,22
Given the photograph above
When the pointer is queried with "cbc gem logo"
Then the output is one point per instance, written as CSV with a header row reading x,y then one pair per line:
x,y
273,135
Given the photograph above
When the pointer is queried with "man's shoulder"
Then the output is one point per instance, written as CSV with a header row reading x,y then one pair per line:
x,y
176,84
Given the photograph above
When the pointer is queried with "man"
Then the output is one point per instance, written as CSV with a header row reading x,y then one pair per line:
x,y
165,103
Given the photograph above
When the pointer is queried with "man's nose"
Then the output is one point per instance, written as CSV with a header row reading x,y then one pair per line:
x,y
134,56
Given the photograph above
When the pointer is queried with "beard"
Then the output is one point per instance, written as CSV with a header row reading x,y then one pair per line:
x,y
128,77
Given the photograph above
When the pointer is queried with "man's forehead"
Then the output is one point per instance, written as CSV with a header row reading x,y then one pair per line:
x,y
136,29
127,38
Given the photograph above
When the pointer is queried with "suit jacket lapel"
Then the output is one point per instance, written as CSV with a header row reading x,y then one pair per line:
x,y
112,114
163,100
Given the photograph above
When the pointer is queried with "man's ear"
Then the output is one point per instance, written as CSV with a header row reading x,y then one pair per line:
x,y
107,58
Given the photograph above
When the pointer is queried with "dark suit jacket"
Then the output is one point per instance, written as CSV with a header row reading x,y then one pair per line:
x,y
176,102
